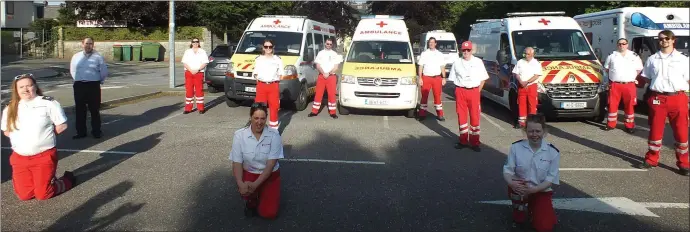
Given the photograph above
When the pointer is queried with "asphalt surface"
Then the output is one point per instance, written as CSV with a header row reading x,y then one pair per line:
x,y
162,170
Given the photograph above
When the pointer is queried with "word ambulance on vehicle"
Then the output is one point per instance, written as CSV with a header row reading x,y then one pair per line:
x,y
641,27
445,43
570,81
296,40
379,71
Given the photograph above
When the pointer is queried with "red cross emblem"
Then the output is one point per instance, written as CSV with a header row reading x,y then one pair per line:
x,y
381,24
544,21
277,21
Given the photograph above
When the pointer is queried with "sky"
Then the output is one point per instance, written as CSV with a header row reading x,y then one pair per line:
x,y
51,2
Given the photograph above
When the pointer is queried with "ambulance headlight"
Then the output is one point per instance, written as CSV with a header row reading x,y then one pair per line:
x,y
348,79
230,70
408,80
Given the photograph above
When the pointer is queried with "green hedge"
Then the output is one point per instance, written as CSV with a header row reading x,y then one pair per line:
x,y
119,34
7,36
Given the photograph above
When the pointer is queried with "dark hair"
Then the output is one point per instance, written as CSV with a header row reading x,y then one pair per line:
x,y
536,118
88,37
191,44
668,33
258,106
624,39
430,38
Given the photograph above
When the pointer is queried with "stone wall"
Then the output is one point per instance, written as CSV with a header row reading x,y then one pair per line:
x,y
66,49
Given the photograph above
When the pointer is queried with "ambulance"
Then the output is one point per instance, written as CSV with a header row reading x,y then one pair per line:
x,y
379,71
640,26
445,43
570,84
297,40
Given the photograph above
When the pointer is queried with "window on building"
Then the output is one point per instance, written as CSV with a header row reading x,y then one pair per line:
x,y
9,8
40,11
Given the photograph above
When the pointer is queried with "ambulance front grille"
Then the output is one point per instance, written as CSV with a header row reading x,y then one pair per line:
x,y
572,91
376,95
244,74
370,81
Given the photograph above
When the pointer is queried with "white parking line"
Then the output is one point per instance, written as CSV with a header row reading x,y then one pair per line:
x,y
90,151
385,122
604,169
334,161
492,122
665,205
169,117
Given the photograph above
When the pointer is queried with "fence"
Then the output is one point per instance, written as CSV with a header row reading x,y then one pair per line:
x,y
29,44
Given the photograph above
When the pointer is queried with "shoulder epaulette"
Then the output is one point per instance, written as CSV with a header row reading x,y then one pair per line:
x,y
517,141
635,53
49,98
554,147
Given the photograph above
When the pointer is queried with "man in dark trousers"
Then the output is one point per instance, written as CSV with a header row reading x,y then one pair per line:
x,y
88,70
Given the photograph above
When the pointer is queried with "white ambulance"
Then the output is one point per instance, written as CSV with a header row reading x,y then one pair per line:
x,y
445,43
570,84
640,26
379,71
296,40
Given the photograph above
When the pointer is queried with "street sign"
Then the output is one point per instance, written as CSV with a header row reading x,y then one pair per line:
x,y
613,205
17,34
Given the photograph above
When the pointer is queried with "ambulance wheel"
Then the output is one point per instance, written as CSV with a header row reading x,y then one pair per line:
x,y
232,102
301,103
411,113
342,110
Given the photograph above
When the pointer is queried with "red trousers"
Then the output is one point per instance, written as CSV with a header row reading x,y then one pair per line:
x,y
674,107
537,206
327,84
527,102
269,93
432,83
468,101
628,93
34,176
194,88
266,198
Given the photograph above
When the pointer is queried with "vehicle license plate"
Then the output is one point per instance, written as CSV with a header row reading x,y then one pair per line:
x,y
375,102
222,66
573,105
250,89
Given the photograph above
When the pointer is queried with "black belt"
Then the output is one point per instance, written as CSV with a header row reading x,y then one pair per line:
x,y
620,82
433,76
269,82
667,93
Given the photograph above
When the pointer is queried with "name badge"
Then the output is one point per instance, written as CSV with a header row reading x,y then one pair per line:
x,y
656,102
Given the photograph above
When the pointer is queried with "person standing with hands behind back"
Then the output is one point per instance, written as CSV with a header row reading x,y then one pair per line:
x,y
327,62
432,71
268,70
194,61
89,70
254,155
530,170
527,71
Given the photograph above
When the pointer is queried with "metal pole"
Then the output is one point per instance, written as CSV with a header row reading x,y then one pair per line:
x,y
171,43
21,43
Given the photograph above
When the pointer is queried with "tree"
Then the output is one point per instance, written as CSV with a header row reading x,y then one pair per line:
x,y
419,16
136,14
339,14
233,17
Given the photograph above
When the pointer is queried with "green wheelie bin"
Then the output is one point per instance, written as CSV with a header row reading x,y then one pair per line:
x,y
117,52
136,52
126,52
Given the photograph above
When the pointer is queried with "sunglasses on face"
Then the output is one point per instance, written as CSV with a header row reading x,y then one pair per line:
x,y
22,75
466,50
268,47
329,44
623,44
195,41
259,104
664,38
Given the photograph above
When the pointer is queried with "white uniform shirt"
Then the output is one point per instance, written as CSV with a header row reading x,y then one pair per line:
x,y
328,59
431,62
195,60
468,74
252,153
35,125
534,167
668,73
623,68
527,69
268,69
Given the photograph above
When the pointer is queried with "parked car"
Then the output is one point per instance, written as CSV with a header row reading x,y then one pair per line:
x,y
218,63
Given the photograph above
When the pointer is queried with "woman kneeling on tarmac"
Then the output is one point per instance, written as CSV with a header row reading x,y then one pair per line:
x,y
255,153
530,170
32,122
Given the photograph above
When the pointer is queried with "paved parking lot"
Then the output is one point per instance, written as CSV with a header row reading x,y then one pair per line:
x,y
157,169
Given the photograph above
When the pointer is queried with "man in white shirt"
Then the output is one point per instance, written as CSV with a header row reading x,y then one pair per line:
x,y
622,67
89,70
432,72
527,71
327,62
468,74
667,71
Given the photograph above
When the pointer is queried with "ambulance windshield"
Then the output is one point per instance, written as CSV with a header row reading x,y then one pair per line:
x,y
446,46
389,52
285,43
553,44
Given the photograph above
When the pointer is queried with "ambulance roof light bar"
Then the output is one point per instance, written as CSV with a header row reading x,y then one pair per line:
x,y
285,16
382,17
489,20
535,13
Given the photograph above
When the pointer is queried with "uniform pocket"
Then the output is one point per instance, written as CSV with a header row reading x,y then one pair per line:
x,y
543,169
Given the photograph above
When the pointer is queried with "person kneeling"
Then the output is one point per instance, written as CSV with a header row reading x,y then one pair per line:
x,y
530,170
255,153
